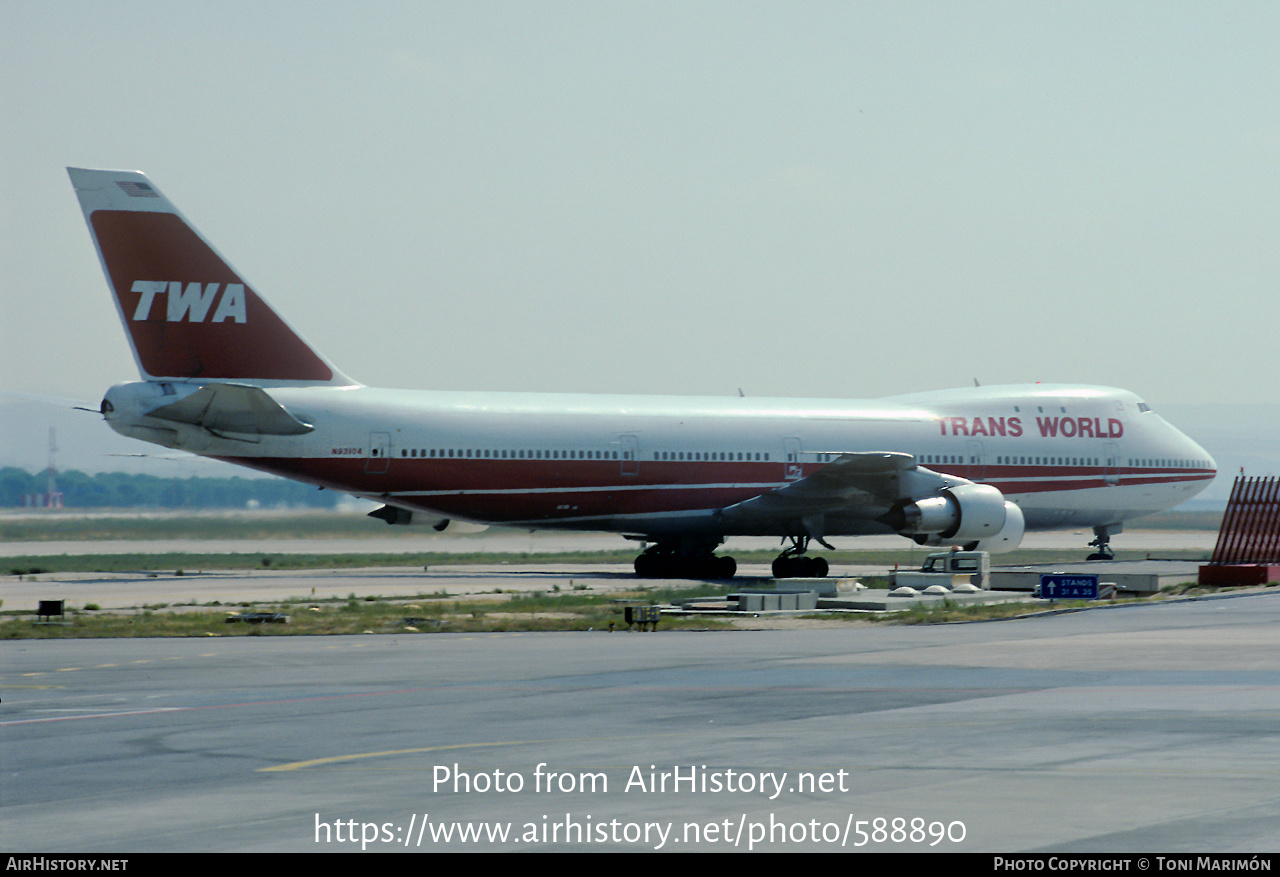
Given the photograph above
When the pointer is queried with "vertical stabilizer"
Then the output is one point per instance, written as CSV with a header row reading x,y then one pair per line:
x,y
189,314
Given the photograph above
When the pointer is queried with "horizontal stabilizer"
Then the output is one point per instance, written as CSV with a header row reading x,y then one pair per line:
x,y
397,516
234,408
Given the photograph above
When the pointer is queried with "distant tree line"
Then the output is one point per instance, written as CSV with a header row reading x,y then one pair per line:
x,y
121,490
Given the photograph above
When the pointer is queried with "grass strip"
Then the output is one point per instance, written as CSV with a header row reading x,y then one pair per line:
x,y
424,613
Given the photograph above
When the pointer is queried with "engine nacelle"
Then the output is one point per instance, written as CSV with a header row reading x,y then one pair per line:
x,y
961,514
1010,535
966,513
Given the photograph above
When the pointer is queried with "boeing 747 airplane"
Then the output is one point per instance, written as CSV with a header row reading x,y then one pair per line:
x,y
224,376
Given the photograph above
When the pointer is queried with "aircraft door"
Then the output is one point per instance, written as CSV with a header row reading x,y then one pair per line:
x,y
975,460
793,469
630,455
1111,460
379,459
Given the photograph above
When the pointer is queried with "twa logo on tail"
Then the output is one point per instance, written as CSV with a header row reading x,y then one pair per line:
x,y
193,301
188,313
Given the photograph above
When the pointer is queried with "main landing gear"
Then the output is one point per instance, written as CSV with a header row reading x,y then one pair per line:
x,y
1102,542
794,564
685,558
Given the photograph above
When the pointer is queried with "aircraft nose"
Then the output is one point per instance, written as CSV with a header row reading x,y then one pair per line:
x,y
1201,458
1199,453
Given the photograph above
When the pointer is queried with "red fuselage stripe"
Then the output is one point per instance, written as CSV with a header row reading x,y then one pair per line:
x,y
523,490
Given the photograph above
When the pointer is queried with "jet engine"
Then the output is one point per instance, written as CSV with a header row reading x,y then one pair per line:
x,y
960,515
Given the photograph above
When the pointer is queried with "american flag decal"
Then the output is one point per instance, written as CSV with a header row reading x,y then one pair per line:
x,y
137,190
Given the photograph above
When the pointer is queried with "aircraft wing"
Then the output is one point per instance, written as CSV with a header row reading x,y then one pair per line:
x,y
890,490
233,408
872,480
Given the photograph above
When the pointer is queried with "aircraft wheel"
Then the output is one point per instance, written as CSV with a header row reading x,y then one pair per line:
x,y
799,566
657,566
726,567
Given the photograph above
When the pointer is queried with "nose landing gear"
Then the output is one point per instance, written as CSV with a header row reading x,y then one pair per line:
x,y
1102,542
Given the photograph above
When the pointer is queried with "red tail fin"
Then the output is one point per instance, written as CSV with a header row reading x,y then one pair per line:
x,y
189,314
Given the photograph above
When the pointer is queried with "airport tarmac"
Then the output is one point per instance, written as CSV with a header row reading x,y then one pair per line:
x,y
217,589
131,590
1146,728
1152,728
124,590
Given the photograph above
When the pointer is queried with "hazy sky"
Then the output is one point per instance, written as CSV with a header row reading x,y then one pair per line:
x,y
820,199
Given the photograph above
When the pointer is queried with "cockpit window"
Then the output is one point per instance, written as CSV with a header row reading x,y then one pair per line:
x,y
1143,407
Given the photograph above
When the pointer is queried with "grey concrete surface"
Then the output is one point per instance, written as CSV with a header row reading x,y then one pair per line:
x,y
1152,728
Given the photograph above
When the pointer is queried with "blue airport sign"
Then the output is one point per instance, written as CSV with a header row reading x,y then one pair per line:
x,y
1068,587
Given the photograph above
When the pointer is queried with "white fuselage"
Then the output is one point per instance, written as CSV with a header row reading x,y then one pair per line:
x,y
654,465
